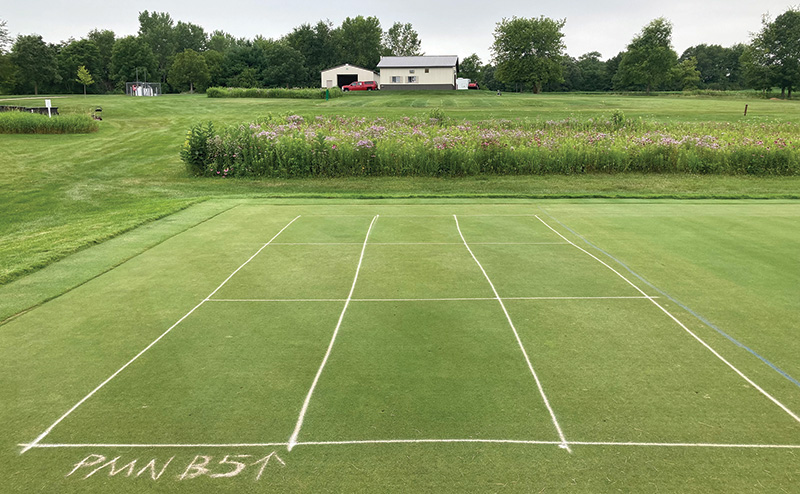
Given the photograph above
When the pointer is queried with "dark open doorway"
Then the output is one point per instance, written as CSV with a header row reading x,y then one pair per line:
x,y
345,79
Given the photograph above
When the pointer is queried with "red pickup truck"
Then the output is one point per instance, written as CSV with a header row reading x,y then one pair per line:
x,y
361,86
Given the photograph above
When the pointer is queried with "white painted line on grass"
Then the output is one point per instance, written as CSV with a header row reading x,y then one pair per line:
x,y
558,443
447,299
563,443
688,445
137,445
418,441
448,215
665,311
419,243
112,376
277,300
293,438
424,441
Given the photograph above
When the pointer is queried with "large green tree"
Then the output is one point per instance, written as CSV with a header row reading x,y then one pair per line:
x,y
156,29
36,62
104,40
401,40
359,41
571,76
684,75
594,73
471,68
318,47
7,68
528,52
75,54
132,56
8,72
719,67
221,41
214,61
775,52
5,37
648,59
282,65
188,36
241,64
188,69
757,73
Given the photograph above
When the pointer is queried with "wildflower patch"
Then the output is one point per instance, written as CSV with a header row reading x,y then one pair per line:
x,y
297,146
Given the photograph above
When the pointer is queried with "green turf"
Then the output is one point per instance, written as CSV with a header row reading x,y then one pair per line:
x,y
613,369
64,193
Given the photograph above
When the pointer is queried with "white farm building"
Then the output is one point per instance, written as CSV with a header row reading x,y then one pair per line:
x,y
421,72
343,75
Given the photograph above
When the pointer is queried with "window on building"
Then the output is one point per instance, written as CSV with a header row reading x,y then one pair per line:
x,y
412,79
396,79
410,71
427,70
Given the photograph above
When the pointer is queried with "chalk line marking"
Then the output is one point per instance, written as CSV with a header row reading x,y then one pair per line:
x,y
665,311
552,443
685,307
418,243
293,437
422,441
451,299
140,445
563,444
112,376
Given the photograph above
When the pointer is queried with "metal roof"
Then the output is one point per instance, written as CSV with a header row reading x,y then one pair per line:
x,y
421,61
348,65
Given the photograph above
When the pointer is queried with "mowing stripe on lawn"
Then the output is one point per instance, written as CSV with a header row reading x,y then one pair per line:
x,y
665,311
563,443
293,438
112,376
682,305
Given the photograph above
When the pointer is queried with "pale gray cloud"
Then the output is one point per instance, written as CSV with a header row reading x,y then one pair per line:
x,y
455,27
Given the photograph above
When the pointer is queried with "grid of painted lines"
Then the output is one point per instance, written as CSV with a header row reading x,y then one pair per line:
x,y
435,329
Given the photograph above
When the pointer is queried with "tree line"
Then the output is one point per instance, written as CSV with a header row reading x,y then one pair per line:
x,y
528,54
183,56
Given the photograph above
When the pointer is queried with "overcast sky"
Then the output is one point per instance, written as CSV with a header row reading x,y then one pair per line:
x,y
455,27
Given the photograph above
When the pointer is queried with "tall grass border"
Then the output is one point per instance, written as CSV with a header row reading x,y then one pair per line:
x,y
17,122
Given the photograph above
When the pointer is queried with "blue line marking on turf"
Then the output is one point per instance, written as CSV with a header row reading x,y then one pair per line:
x,y
683,306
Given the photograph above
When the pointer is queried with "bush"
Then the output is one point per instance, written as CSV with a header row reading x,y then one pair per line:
x,y
294,146
238,92
16,122
195,151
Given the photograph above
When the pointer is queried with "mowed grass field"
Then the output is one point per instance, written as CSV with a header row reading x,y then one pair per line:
x,y
525,334
260,345
63,193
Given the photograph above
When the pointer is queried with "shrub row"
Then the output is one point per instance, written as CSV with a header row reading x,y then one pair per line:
x,y
239,92
294,146
15,122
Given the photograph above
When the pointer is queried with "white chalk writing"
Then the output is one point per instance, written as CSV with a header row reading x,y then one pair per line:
x,y
229,466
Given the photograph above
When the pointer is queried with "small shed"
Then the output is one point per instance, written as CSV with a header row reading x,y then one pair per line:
x,y
343,75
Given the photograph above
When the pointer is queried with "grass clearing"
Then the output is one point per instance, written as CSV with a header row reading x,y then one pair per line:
x,y
426,387
64,193
106,244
